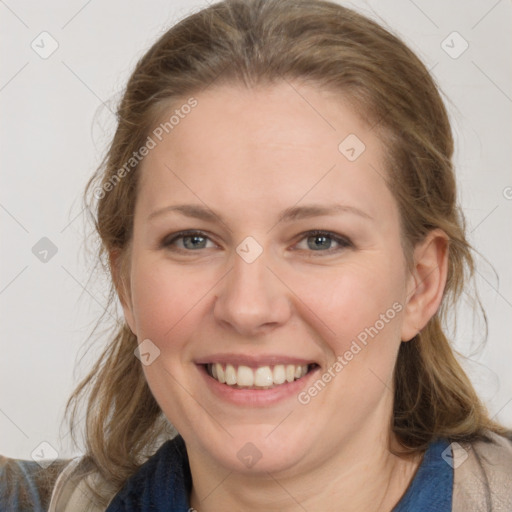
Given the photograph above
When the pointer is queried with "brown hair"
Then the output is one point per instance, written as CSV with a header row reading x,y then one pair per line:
x,y
321,43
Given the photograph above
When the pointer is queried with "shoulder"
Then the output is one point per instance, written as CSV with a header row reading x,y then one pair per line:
x,y
483,474
27,485
73,488
163,478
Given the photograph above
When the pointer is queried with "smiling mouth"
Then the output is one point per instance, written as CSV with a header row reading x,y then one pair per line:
x,y
261,377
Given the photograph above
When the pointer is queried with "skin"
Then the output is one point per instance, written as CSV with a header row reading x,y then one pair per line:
x,y
248,154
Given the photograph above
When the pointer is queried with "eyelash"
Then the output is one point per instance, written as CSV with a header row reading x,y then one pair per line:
x,y
343,242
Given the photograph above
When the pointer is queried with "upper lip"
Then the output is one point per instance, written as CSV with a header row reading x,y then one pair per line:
x,y
253,360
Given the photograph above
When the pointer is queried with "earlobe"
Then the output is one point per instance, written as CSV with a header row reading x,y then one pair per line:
x,y
426,284
122,287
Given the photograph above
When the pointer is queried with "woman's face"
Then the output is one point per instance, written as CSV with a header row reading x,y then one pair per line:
x,y
256,298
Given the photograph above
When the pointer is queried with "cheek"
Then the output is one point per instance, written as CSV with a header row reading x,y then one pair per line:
x,y
165,299
359,310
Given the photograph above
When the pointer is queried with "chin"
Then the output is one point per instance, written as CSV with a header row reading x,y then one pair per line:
x,y
258,449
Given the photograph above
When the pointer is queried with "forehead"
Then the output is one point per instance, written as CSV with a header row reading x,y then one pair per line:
x,y
267,144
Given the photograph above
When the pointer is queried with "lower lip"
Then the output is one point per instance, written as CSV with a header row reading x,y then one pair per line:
x,y
257,397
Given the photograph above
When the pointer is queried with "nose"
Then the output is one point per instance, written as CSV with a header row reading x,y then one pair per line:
x,y
252,299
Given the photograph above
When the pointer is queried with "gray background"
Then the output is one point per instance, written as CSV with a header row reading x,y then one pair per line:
x,y
57,119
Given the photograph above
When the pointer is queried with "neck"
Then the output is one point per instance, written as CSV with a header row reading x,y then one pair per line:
x,y
362,475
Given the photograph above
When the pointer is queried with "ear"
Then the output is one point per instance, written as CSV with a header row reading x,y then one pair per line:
x,y
426,283
122,287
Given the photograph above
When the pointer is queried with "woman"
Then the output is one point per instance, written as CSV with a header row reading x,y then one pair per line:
x,y
278,210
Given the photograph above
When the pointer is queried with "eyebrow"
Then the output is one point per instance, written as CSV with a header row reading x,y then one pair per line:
x,y
289,214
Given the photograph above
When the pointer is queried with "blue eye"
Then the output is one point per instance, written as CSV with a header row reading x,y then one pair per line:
x,y
322,241
317,241
191,240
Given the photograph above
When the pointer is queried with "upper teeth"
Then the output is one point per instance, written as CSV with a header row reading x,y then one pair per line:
x,y
262,376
